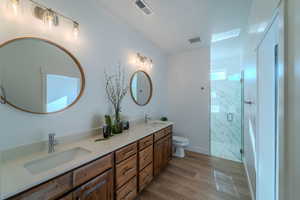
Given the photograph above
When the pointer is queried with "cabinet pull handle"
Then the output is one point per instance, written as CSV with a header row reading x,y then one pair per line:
x,y
128,151
127,170
91,190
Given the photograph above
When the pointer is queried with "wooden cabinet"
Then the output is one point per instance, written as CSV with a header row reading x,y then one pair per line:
x,y
159,135
99,188
89,171
49,190
128,191
145,177
158,157
162,153
145,162
126,152
126,170
132,166
145,142
145,157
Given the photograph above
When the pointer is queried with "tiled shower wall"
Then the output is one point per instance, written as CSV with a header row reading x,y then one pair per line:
x,y
226,141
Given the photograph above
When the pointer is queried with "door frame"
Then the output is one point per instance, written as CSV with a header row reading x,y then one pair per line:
x,y
279,14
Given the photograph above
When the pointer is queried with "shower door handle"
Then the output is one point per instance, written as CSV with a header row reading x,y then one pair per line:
x,y
248,102
230,117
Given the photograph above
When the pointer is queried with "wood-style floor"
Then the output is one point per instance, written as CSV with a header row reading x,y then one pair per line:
x,y
199,177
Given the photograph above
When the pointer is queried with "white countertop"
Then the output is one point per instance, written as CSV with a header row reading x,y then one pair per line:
x,y
15,178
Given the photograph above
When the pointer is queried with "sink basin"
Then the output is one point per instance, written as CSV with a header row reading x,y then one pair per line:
x,y
54,160
156,123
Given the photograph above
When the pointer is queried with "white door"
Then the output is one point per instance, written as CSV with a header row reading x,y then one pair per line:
x,y
267,113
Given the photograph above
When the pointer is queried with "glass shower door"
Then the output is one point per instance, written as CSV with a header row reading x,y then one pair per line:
x,y
226,116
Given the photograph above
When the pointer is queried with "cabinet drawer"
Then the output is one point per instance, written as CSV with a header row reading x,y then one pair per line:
x,y
91,170
145,177
128,191
126,152
50,190
100,188
160,134
126,170
145,142
168,130
145,157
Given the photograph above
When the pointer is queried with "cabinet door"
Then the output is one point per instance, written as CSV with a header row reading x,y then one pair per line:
x,y
168,148
166,153
99,188
158,156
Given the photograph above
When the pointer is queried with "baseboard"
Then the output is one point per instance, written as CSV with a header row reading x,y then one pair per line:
x,y
249,181
198,150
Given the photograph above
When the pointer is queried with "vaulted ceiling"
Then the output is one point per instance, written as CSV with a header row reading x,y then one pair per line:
x,y
175,21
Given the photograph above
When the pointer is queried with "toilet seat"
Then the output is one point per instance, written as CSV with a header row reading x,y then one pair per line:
x,y
180,140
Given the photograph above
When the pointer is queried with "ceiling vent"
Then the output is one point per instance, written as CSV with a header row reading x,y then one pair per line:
x,y
143,6
194,40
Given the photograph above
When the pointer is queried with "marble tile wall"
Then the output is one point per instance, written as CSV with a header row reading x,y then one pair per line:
x,y
226,137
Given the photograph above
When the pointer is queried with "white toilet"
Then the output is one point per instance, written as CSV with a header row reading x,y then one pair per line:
x,y
180,143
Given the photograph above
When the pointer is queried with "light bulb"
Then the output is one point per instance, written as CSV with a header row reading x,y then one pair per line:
x,y
48,18
75,29
15,6
151,64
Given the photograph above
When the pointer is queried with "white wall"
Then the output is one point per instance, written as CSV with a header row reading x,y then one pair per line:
x,y
188,105
103,41
293,95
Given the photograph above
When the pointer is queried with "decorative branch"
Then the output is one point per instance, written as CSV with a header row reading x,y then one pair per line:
x,y
116,89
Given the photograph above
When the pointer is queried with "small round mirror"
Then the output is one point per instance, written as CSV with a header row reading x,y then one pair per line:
x,y
39,76
141,88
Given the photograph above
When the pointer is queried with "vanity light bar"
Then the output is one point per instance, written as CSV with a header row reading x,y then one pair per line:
x,y
15,6
47,15
144,60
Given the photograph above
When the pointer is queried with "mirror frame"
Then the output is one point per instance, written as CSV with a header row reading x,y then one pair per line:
x,y
151,87
76,61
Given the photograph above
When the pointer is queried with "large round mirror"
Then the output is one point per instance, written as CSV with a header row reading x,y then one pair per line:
x,y
39,76
141,88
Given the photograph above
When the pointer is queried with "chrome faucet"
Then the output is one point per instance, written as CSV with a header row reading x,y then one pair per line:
x,y
147,118
51,143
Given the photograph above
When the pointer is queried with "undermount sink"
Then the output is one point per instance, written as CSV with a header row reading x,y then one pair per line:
x,y
156,123
55,160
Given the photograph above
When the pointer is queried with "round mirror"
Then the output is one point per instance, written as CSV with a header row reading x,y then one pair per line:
x,y
141,88
39,76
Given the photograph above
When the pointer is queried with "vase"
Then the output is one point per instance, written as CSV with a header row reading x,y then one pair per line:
x,y
118,125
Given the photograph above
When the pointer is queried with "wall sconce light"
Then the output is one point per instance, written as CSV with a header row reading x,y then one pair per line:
x,y
143,61
14,4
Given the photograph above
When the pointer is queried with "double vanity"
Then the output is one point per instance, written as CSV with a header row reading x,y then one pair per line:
x,y
79,167
118,168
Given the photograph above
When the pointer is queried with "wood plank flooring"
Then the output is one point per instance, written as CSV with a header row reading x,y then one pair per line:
x,y
199,177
